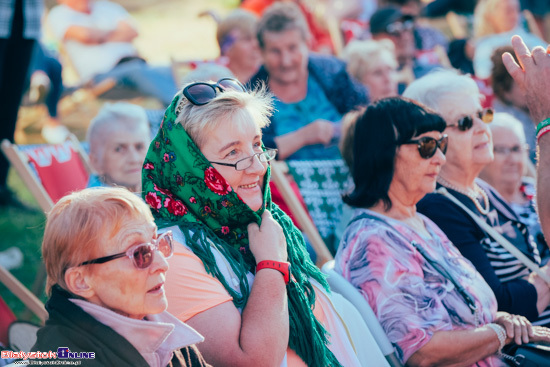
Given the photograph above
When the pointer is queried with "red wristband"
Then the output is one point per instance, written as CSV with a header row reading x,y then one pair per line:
x,y
282,267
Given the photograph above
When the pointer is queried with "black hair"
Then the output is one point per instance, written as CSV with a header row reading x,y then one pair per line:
x,y
379,131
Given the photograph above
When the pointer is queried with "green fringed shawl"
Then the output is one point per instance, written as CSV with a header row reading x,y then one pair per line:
x,y
183,189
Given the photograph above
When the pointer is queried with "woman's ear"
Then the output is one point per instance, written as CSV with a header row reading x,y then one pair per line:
x,y
78,282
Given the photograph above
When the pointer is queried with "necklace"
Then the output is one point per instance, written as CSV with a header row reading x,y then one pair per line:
x,y
472,194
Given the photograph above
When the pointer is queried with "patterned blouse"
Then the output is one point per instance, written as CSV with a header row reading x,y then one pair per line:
x,y
410,298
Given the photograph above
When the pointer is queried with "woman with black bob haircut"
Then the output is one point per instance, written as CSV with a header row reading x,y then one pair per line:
x,y
392,122
432,303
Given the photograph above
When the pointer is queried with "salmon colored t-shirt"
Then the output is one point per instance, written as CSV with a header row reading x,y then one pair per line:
x,y
191,290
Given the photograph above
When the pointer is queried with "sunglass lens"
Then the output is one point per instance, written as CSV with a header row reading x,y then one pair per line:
x,y
443,144
427,147
201,93
487,115
465,123
143,256
231,84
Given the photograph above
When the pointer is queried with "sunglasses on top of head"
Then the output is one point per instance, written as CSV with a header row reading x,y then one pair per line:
x,y
201,93
427,146
465,123
142,254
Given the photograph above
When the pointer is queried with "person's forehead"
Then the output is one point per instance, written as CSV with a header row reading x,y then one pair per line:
x,y
505,134
132,228
126,136
291,35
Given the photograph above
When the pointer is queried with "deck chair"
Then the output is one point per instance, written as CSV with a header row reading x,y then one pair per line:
x,y
24,295
340,285
278,170
322,183
50,171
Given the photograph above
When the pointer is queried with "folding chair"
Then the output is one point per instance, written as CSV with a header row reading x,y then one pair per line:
x,y
24,295
50,172
322,183
340,285
278,170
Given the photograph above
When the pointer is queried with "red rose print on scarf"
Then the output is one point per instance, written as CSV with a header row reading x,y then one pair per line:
x,y
148,166
225,229
215,182
163,191
153,200
175,207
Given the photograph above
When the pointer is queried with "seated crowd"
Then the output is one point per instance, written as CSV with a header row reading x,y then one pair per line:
x,y
436,167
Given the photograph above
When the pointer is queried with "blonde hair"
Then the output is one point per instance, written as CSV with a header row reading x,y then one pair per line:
x,y
348,133
230,105
79,222
363,56
483,18
238,19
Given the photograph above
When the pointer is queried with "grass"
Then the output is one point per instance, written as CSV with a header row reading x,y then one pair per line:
x,y
24,230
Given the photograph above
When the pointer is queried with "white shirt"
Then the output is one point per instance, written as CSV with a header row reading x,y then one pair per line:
x,y
155,338
90,60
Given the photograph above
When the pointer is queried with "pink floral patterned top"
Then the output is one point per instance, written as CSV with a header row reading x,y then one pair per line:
x,y
410,298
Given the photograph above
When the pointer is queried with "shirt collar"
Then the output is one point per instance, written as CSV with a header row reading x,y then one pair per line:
x,y
164,332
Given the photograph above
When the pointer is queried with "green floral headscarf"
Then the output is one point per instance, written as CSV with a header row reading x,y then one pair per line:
x,y
183,189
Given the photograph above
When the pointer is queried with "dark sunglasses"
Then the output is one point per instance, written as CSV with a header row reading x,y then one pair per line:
x,y
427,146
201,93
142,254
466,122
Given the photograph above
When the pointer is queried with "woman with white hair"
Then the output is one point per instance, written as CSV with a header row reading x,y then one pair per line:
x,y
517,289
118,136
374,64
507,175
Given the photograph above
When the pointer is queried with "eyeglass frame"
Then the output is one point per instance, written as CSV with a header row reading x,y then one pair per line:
x,y
234,165
130,252
520,148
419,141
215,87
462,126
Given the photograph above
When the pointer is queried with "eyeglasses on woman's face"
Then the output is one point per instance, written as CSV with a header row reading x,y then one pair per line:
x,y
465,123
142,254
245,163
201,93
427,146
507,150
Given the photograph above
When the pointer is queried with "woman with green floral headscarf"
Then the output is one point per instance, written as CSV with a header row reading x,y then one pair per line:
x,y
206,178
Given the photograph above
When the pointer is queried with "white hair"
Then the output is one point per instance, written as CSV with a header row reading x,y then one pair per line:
x,y
230,105
507,121
438,86
112,117
363,56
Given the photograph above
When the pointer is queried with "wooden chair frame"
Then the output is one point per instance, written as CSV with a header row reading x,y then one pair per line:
x,y
19,160
278,170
